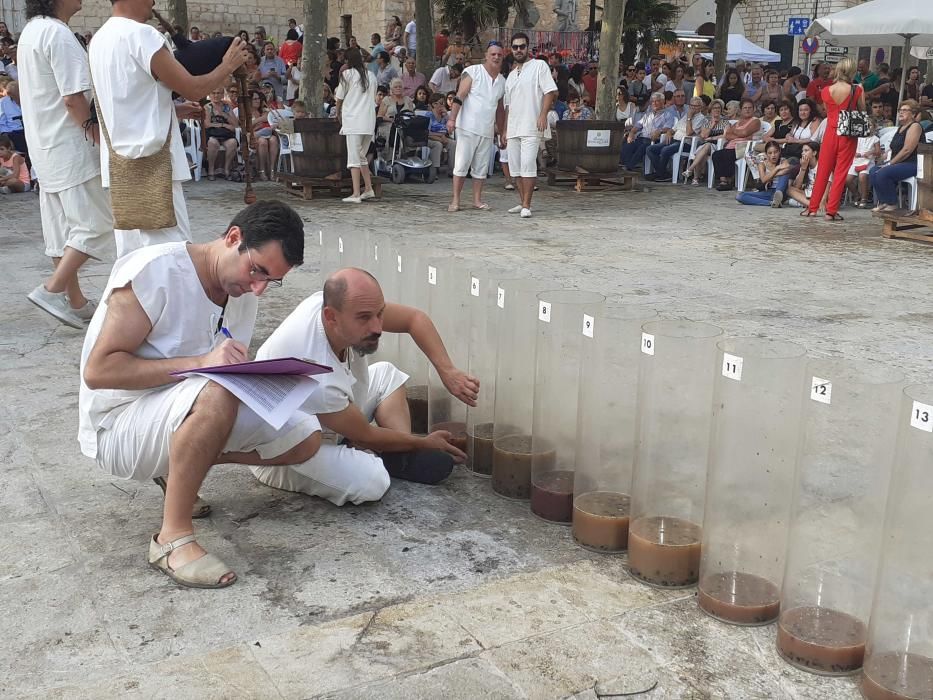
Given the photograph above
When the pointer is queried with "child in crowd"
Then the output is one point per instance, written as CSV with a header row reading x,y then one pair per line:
x,y
773,177
801,188
14,173
867,152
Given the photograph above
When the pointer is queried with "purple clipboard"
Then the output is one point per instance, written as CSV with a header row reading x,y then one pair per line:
x,y
281,365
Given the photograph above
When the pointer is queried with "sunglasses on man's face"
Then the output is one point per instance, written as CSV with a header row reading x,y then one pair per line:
x,y
519,47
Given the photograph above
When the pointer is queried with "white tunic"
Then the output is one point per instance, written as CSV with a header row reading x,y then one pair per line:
x,y
478,113
524,91
184,324
53,65
358,112
136,107
302,334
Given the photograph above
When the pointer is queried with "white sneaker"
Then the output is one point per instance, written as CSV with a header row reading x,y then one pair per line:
x,y
516,209
368,194
526,213
86,312
57,305
353,200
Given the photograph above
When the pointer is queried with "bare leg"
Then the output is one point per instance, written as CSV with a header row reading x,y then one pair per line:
x,y
527,187
213,148
263,150
478,183
273,156
65,277
355,176
798,195
301,452
506,174
193,450
229,156
864,187
367,178
458,188
393,412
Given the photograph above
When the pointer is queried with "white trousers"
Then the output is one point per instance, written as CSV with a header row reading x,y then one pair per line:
x,y
357,148
339,473
472,155
77,217
129,240
135,444
523,156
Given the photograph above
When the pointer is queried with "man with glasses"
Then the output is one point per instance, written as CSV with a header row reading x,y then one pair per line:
x,y
476,114
529,93
660,154
179,306
644,133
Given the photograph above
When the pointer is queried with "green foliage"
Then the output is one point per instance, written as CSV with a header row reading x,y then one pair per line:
x,y
473,16
644,23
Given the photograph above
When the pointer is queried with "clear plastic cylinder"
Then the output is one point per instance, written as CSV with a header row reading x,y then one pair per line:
x,y
448,281
412,269
329,253
565,319
602,483
353,249
899,655
483,349
675,390
383,265
753,455
848,433
517,304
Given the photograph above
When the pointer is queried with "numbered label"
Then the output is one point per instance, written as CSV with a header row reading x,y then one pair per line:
x,y
474,286
399,263
376,252
544,311
500,297
647,343
732,366
320,237
821,390
588,322
432,275
922,416
340,244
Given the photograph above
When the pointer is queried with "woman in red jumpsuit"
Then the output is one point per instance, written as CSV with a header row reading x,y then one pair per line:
x,y
837,152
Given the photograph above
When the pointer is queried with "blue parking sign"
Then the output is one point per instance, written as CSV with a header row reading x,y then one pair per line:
x,y
797,26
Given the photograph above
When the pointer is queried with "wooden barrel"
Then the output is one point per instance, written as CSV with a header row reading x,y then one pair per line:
x,y
323,150
925,180
593,145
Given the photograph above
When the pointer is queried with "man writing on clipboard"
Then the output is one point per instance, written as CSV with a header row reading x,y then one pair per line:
x,y
168,308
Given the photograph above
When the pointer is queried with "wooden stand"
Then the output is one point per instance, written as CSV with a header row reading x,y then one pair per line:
x,y
915,228
585,180
304,187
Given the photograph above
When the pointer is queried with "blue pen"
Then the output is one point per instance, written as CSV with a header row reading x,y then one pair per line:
x,y
223,329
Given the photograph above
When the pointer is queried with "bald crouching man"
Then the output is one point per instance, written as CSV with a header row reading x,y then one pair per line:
x,y
340,326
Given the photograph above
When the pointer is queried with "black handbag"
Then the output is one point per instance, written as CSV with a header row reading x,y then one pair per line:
x,y
852,122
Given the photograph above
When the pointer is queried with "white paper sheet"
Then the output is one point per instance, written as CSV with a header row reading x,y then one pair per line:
x,y
272,397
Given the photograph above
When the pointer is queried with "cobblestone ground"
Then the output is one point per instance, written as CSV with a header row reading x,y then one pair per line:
x,y
441,591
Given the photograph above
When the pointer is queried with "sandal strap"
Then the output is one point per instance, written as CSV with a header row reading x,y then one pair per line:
x,y
166,549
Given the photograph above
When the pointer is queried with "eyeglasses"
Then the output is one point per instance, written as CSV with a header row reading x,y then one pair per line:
x,y
519,47
260,275
493,43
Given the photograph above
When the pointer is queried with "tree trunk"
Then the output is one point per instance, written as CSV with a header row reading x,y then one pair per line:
x,y
314,64
178,11
610,38
724,10
425,29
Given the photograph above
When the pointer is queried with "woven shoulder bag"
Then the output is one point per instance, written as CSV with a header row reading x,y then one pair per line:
x,y
141,188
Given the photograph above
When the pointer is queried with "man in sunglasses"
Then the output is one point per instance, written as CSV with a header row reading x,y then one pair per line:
x,y
529,93
179,306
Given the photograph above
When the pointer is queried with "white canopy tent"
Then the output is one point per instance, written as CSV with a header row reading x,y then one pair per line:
x,y
884,22
741,49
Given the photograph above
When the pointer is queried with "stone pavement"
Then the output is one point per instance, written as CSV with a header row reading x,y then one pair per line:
x,y
436,592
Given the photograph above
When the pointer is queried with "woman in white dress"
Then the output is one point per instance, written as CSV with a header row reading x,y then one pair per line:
x,y
356,113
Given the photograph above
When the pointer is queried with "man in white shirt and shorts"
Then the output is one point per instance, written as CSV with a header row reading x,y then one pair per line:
x,y
180,306
476,113
55,83
529,93
340,326
134,74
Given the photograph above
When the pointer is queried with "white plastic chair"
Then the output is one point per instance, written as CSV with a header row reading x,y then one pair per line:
x,y
710,175
665,139
193,147
285,152
681,154
741,167
912,194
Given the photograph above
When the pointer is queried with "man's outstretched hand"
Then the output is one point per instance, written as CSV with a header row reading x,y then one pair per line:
x,y
461,385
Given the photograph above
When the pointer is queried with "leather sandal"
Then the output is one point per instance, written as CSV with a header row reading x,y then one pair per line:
x,y
201,508
205,572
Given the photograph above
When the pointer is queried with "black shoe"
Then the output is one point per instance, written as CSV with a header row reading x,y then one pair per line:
x,y
651,177
420,466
